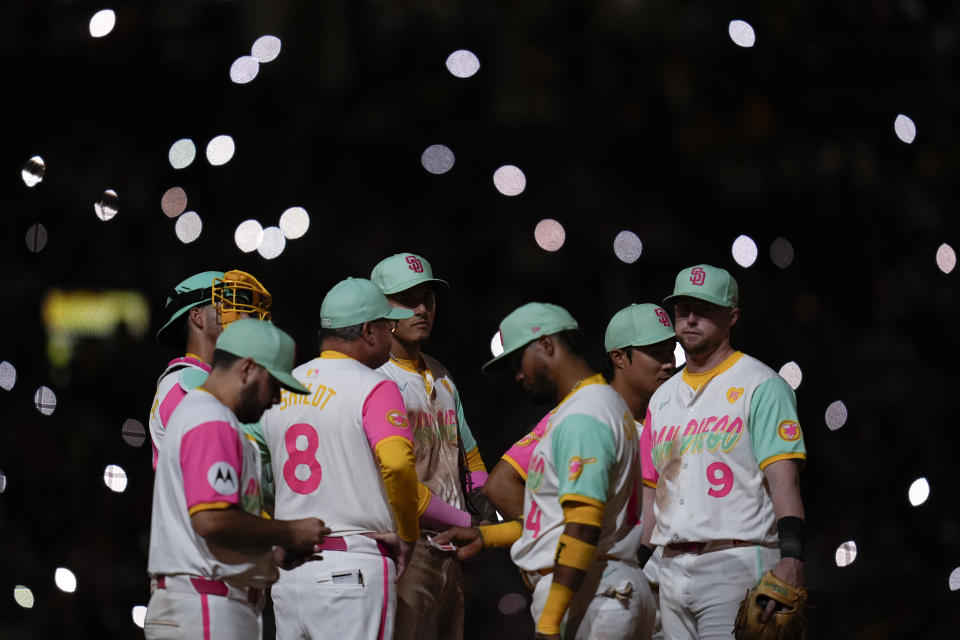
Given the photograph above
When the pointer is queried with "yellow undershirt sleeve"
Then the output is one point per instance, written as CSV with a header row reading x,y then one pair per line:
x,y
501,535
475,461
554,609
424,496
395,455
583,514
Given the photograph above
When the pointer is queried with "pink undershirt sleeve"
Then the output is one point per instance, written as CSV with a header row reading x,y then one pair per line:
x,y
649,472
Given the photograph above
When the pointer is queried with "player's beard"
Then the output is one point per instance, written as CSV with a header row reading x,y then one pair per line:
x,y
542,390
250,408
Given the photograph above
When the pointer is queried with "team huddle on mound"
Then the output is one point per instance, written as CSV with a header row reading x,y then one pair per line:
x,y
647,503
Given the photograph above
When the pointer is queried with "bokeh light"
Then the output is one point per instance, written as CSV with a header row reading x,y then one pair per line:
x,y
133,432
294,222
182,153
139,615
846,553
742,33
36,238
8,375
188,227
3,481
954,580
107,205
781,252
437,159
220,150
23,596
272,244
836,415
463,63
946,258
33,171
248,235
627,246
744,251
511,604
549,234
45,400
173,202
65,580
266,49
792,374
102,23
244,69
919,491
509,180
679,355
905,129
115,478
496,344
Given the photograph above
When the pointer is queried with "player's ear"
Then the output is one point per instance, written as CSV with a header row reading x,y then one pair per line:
x,y
548,345
616,356
734,316
247,366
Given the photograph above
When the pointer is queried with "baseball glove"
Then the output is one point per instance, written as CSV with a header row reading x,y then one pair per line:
x,y
787,622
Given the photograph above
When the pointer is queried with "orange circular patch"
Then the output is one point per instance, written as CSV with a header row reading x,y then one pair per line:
x,y
396,418
789,430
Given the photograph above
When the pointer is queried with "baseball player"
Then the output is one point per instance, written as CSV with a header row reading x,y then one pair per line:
x,y
569,545
430,594
639,341
345,451
199,307
721,451
211,556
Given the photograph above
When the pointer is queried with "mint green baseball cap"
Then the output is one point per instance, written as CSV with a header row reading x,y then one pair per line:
x,y
527,323
355,301
704,282
403,271
265,344
193,292
638,325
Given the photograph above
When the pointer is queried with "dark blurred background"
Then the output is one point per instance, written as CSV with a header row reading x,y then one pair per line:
x,y
637,115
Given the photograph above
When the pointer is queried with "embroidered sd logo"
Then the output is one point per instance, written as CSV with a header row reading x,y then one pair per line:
x,y
396,418
414,263
733,394
789,430
662,317
697,276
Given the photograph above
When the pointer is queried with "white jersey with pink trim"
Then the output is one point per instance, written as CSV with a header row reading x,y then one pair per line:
x,y
205,463
707,439
323,456
170,391
436,423
588,453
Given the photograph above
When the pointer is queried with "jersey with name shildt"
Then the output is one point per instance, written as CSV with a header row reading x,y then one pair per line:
x,y
322,445
588,454
205,463
436,423
707,439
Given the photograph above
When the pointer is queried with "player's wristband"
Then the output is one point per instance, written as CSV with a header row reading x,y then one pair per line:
x,y
500,535
643,555
790,530
574,552
554,609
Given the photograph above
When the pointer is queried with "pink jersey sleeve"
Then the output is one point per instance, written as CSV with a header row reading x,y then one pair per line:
x,y
384,414
650,474
521,452
211,457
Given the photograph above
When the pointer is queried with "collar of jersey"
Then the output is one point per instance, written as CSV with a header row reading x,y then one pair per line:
x,y
195,357
330,354
409,365
697,380
596,378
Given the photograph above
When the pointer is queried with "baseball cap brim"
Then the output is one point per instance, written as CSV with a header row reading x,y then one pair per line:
x,y
437,284
399,313
697,296
501,363
288,382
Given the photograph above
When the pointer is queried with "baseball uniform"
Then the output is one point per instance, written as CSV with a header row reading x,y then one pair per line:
x,y
588,453
707,439
203,591
430,592
327,461
180,376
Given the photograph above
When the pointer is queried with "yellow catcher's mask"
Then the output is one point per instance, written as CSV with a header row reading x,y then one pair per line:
x,y
238,293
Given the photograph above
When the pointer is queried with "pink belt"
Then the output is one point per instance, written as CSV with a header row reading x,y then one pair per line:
x,y
357,544
206,586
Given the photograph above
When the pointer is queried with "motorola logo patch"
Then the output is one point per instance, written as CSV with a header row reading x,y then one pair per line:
x,y
223,478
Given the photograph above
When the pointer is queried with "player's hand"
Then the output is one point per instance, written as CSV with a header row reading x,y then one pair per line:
x,y
789,570
288,560
399,549
466,539
304,535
